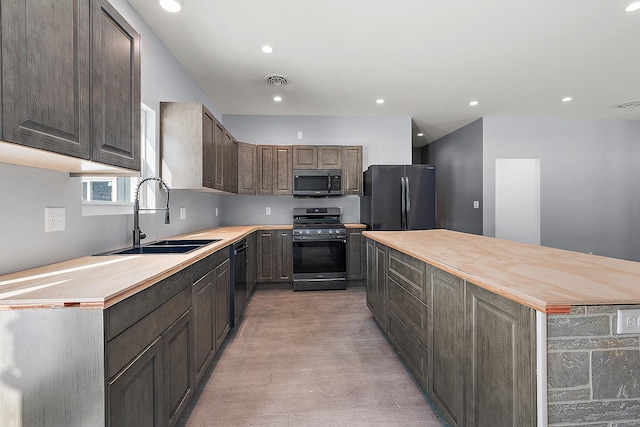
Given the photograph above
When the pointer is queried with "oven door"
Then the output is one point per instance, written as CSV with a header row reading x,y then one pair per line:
x,y
319,264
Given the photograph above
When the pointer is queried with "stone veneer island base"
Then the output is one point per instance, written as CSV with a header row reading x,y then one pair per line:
x,y
507,334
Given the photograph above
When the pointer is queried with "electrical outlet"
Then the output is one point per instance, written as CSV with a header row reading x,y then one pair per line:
x,y
299,134
54,219
268,211
183,213
629,321
216,211
476,204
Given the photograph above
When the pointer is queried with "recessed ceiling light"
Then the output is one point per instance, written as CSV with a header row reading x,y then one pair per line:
x,y
567,99
380,101
277,98
267,49
171,5
421,134
633,6
473,103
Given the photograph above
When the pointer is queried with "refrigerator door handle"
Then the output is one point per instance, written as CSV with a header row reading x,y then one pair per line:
x,y
403,203
407,195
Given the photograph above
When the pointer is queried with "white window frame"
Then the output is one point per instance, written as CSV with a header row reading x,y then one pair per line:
x,y
149,167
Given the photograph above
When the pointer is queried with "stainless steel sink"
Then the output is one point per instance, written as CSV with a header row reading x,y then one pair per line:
x,y
141,250
165,247
186,242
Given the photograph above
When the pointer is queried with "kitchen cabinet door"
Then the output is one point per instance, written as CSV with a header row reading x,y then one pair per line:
x,y
251,263
218,143
264,166
275,256
204,323
371,283
499,379
329,157
355,255
282,169
266,261
179,382
222,301
46,92
305,157
135,396
115,70
208,149
230,164
445,344
284,255
246,168
352,170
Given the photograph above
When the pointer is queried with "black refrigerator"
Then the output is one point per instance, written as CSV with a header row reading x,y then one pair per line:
x,y
399,197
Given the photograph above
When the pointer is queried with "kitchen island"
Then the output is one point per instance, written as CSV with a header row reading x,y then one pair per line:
x,y
504,333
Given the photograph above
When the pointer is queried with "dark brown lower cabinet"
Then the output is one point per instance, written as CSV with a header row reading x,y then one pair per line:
x,y
135,395
472,351
222,299
445,342
275,255
179,381
204,323
356,269
500,381
161,341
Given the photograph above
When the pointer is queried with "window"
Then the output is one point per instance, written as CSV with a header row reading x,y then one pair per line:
x,y
114,195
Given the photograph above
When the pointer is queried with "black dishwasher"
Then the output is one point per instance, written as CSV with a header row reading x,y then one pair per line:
x,y
238,282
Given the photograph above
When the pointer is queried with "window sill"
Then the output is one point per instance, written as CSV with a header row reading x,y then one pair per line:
x,y
106,208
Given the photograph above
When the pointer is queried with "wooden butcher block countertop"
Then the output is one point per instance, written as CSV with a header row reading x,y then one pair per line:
x,y
545,279
101,281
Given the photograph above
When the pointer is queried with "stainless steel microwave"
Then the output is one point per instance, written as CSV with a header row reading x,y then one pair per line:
x,y
317,182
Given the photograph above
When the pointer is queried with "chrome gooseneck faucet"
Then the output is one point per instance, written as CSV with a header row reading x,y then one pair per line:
x,y
137,233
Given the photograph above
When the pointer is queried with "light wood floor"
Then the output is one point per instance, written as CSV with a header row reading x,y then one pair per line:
x,y
308,359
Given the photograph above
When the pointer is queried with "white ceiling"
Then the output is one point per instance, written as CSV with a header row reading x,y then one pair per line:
x,y
427,58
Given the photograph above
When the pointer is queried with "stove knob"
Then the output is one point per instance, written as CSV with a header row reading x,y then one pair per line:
x,y
330,231
307,231
319,231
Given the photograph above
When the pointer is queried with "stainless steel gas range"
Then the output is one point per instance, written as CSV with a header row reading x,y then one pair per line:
x,y
319,249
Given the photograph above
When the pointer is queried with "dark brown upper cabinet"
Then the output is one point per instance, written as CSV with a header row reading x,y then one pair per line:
x,y
305,157
275,169
198,153
247,168
329,157
352,170
71,80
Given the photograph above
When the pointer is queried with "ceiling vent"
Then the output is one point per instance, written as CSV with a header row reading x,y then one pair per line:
x,y
276,79
630,104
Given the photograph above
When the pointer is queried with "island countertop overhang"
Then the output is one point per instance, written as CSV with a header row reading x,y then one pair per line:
x,y
546,279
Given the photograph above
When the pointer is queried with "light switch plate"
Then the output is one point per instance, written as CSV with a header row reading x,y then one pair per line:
x,y
628,321
183,213
54,219
476,204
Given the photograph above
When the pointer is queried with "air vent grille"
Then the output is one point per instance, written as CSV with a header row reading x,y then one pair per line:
x,y
630,104
276,79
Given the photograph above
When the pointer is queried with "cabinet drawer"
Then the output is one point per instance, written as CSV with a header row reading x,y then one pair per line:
x,y
205,265
410,273
411,311
412,352
127,312
122,349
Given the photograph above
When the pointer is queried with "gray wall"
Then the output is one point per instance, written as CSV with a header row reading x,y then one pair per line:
x,y
27,191
589,177
458,161
385,140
